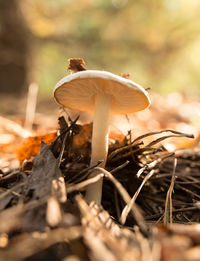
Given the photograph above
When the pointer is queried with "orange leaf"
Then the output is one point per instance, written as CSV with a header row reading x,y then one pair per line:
x,y
31,146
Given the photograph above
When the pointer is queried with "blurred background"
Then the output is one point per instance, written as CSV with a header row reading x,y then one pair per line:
x,y
157,42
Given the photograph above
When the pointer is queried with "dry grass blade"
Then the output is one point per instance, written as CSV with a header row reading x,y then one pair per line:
x,y
85,183
135,147
119,150
168,136
129,206
188,191
168,202
83,174
97,177
120,167
8,191
62,149
148,166
29,244
10,177
159,132
153,164
132,152
124,194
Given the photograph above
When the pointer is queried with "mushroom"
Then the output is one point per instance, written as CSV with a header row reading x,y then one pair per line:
x,y
101,93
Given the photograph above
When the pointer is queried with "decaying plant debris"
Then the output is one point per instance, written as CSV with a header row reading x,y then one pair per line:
x,y
147,192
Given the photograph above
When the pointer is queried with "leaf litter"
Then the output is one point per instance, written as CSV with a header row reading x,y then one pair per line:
x,y
150,206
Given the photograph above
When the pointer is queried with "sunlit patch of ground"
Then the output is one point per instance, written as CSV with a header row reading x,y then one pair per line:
x,y
172,111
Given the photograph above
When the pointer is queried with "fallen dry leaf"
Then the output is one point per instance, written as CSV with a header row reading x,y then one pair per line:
x,y
31,146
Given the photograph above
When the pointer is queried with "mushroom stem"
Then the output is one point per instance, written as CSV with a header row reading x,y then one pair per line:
x,y
99,143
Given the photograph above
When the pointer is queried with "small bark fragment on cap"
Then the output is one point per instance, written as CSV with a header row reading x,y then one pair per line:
x,y
126,75
76,64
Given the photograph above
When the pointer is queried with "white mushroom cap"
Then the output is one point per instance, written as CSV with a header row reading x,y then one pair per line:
x,y
77,91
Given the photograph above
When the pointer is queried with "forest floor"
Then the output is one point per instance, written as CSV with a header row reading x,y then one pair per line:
x,y
150,206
